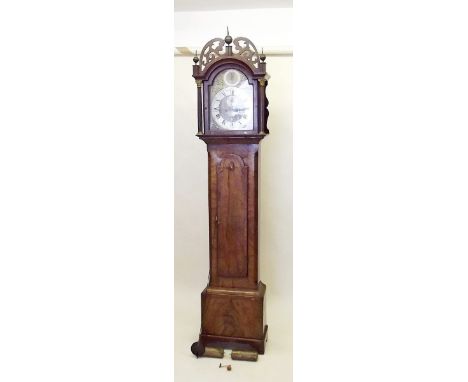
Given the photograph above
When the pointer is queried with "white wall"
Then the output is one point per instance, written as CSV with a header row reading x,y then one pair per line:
x,y
191,248
271,29
191,183
267,28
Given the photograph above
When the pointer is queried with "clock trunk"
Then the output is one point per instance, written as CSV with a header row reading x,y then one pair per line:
x,y
232,303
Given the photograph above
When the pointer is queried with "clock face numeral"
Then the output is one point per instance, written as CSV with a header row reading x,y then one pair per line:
x,y
231,108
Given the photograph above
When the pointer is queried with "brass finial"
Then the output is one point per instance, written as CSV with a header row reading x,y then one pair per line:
x,y
228,39
262,56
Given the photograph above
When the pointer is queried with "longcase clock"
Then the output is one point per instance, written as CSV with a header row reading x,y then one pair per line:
x,y
232,120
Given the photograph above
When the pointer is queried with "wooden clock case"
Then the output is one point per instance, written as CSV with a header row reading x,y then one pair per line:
x,y
233,303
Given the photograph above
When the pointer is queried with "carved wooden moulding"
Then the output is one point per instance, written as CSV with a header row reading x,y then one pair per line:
x,y
215,49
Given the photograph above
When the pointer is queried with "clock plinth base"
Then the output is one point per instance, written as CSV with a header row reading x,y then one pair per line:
x,y
236,343
234,318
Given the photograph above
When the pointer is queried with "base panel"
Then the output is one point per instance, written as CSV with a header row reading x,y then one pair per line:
x,y
235,342
234,318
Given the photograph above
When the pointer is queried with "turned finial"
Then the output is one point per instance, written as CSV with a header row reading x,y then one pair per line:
x,y
262,56
227,39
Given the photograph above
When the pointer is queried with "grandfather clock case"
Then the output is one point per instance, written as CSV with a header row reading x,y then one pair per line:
x,y
232,120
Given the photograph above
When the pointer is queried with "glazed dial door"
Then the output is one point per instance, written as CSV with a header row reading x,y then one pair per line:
x,y
231,102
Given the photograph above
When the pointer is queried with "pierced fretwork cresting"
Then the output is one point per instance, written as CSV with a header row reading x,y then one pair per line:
x,y
245,48
212,50
242,49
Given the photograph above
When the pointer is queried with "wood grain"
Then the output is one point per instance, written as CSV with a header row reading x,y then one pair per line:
x,y
231,216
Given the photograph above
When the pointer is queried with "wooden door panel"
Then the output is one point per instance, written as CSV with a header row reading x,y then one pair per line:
x,y
232,240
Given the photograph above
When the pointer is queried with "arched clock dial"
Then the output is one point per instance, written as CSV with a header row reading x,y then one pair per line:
x,y
231,102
